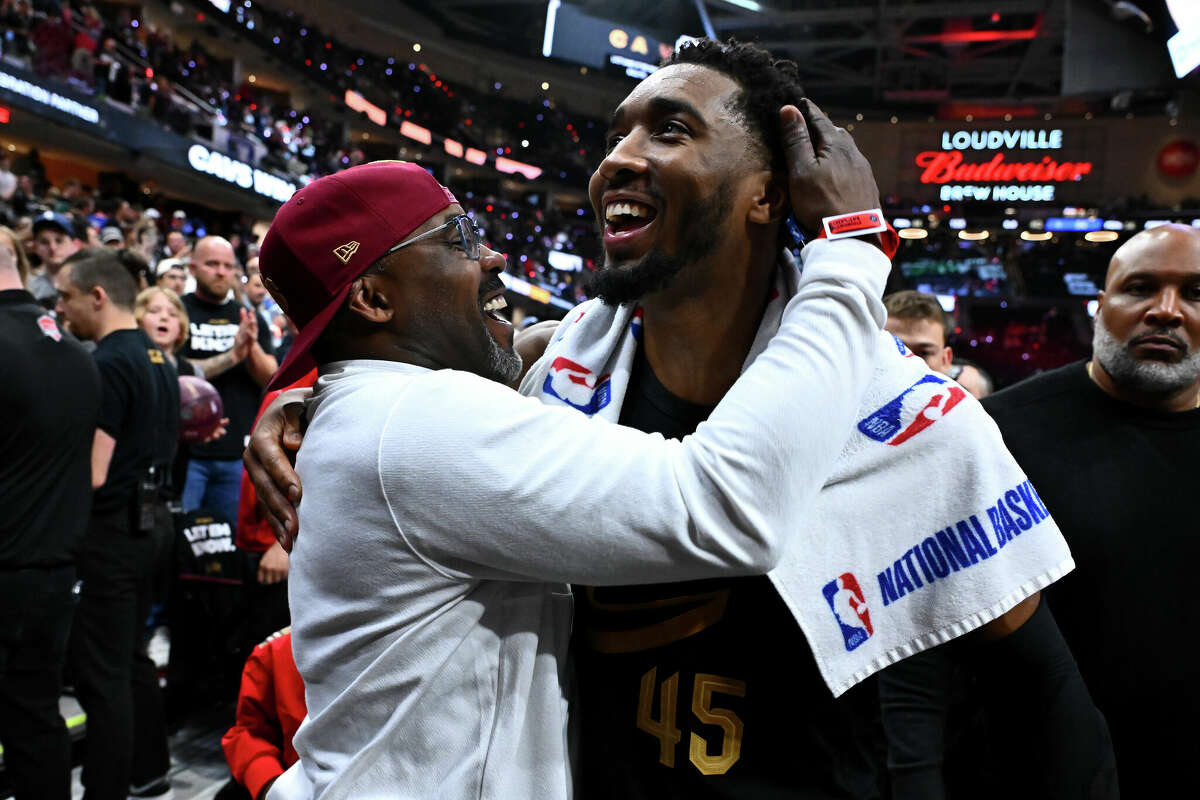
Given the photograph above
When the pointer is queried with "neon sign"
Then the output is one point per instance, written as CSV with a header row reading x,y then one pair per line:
x,y
998,179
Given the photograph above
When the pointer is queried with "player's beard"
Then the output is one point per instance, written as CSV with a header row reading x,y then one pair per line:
x,y
1142,375
655,271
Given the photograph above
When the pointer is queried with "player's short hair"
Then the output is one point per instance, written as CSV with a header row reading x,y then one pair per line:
x,y
910,304
104,267
143,302
767,84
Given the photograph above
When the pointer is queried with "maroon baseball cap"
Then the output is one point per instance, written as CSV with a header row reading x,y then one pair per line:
x,y
327,235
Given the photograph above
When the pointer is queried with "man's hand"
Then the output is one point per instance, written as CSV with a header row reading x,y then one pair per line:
x,y
273,567
269,464
247,335
827,175
222,429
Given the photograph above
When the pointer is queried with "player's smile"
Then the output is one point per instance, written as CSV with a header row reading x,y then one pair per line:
x,y
629,222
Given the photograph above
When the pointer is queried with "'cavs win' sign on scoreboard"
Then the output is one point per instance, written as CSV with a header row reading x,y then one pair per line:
x,y
1001,165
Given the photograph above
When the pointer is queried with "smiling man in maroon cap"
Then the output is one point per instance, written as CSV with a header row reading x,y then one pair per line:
x,y
431,613
450,317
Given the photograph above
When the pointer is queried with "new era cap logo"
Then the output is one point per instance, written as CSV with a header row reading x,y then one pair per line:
x,y
346,251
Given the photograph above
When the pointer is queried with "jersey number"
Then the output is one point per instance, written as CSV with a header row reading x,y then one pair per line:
x,y
668,735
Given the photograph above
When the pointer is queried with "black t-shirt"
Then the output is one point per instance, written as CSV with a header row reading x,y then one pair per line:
x,y
1119,480
131,412
49,395
212,331
708,688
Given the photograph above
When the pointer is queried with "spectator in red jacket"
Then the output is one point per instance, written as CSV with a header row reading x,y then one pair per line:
x,y
270,708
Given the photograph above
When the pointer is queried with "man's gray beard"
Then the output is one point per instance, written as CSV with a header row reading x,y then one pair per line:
x,y
505,366
1142,375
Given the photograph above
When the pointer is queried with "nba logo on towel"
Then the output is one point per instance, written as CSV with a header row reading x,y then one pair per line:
x,y
917,407
849,608
904,351
577,386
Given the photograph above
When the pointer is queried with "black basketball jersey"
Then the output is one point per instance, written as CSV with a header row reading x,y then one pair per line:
x,y
708,689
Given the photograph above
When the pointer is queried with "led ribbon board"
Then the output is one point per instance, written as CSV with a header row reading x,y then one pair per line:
x,y
239,173
49,98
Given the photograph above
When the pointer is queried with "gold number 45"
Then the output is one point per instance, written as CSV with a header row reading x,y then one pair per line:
x,y
668,735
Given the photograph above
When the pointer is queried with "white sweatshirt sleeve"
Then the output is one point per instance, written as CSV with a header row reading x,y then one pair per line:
x,y
485,483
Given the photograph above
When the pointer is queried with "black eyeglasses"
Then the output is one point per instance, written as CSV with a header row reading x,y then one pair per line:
x,y
472,237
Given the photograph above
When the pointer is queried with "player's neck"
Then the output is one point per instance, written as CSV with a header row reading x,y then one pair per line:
x,y
9,279
697,338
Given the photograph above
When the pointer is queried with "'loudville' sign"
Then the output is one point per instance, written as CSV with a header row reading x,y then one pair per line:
x,y
1001,165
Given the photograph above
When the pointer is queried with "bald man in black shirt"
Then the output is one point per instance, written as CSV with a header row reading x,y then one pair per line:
x,y
1113,445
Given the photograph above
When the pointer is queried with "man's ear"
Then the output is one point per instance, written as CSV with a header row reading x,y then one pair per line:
x,y
368,298
771,201
98,296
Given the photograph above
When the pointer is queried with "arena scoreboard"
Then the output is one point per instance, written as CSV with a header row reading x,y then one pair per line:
x,y
602,44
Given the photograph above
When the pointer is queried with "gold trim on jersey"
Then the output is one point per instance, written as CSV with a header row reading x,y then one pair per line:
x,y
710,610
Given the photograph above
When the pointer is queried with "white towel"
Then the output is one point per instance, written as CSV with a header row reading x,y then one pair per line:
x,y
926,529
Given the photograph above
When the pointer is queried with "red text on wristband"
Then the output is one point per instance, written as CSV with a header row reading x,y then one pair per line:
x,y
854,224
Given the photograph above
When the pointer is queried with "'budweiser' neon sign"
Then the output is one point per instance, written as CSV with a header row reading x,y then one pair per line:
x,y
946,167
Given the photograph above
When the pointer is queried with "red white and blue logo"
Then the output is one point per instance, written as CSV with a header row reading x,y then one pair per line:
x,y
917,407
49,327
577,386
849,607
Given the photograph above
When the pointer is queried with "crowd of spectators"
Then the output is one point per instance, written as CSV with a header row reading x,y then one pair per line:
x,y
143,68
409,89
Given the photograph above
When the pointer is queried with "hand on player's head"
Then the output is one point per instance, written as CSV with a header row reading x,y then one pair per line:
x,y
827,174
